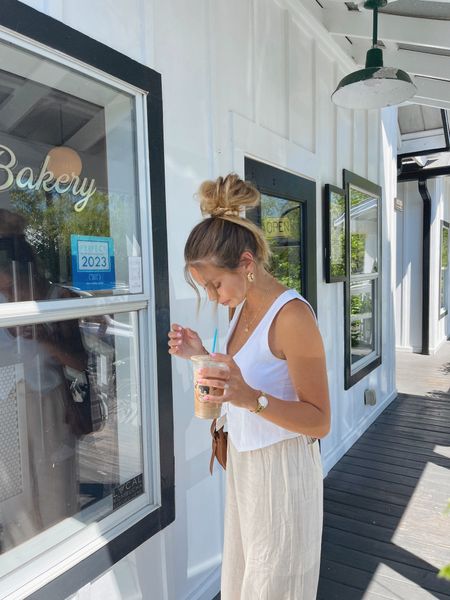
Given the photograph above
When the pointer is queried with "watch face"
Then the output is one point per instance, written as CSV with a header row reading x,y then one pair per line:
x,y
263,401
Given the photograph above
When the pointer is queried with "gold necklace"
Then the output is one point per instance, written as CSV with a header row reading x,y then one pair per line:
x,y
239,335
248,323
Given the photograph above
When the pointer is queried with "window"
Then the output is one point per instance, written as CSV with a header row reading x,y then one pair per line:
x,y
80,317
281,221
363,284
334,234
287,216
68,181
443,279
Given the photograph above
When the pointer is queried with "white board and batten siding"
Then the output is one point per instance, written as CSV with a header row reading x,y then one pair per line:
x,y
408,285
240,78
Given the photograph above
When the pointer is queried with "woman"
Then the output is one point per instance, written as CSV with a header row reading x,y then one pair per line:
x,y
275,397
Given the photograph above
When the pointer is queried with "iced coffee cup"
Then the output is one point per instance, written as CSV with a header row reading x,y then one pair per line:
x,y
206,410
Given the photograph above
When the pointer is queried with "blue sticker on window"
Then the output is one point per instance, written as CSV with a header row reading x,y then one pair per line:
x,y
92,262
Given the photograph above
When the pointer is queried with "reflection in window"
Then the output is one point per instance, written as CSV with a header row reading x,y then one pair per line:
x,y
364,249
337,234
362,319
444,282
71,424
363,285
363,232
281,221
67,168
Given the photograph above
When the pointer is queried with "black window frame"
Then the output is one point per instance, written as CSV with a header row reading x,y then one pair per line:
x,y
284,184
35,25
370,187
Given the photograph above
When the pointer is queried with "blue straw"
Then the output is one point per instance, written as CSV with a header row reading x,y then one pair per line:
x,y
214,340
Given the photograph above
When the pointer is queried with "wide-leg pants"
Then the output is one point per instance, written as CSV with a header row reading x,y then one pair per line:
x,y
273,522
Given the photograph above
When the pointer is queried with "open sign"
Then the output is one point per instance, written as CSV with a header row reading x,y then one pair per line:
x,y
277,227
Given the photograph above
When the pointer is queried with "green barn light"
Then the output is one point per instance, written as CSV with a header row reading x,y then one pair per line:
x,y
375,86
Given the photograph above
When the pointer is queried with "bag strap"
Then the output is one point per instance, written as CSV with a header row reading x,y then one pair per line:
x,y
214,445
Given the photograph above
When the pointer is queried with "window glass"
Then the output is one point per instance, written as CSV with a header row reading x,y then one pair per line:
x,y
362,319
444,283
70,427
363,232
281,221
363,283
68,185
337,234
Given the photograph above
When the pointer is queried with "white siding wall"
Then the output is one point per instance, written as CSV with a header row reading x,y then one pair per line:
x,y
446,217
408,289
409,269
240,77
439,212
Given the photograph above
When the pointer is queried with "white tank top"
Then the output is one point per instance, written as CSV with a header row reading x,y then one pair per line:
x,y
262,371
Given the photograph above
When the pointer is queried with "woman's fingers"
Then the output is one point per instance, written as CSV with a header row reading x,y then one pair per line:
x,y
178,331
214,373
215,399
183,341
175,338
218,383
226,358
175,335
191,333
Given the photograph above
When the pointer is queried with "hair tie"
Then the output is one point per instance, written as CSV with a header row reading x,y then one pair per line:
x,y
224,212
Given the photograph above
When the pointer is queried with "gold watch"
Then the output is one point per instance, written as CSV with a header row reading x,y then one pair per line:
x,y
261,403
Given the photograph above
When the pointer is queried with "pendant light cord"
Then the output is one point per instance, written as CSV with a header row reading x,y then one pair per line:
x,y
61,130
375,27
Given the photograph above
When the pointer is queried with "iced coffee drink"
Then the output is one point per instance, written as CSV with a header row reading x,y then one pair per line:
x,y
206,410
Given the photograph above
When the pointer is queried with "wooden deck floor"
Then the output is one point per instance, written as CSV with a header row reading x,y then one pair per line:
x,y
385,534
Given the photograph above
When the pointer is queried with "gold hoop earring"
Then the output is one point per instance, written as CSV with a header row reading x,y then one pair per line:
x,y
251,277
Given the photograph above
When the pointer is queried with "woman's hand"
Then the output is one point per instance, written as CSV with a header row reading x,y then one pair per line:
x,y
235,390
185,342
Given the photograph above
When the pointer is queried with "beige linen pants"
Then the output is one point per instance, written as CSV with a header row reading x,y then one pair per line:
x,y
273,522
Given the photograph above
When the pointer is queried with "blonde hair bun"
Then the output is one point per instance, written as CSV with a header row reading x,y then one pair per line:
x,y
227,196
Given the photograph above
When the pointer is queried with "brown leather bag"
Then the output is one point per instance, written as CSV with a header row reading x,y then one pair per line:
x,y
219,446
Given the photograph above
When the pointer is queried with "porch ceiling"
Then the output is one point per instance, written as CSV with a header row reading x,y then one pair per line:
x,y
414,34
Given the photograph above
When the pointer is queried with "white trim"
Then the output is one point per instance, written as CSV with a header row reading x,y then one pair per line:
x,y
414,135
301,11
147,324
210,587
25,313
432,92
248,138
409,349
398,29
58,57
57,560
421,143
439,345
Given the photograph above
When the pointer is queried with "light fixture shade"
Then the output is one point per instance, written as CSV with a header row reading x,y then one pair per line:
x,y
375,86
63,160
